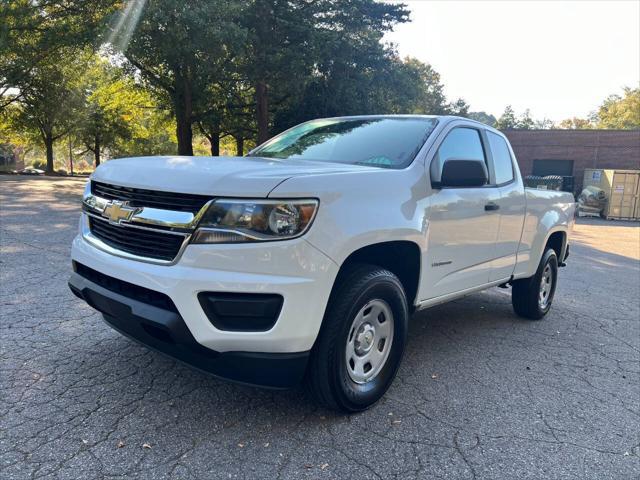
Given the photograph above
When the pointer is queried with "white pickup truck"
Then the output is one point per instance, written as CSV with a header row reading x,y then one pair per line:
x,y
305,259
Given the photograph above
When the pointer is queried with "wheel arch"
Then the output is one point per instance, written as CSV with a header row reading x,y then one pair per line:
x,y
557,240
401,257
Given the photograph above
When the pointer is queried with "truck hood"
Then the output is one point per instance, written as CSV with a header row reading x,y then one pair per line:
x,y
217,176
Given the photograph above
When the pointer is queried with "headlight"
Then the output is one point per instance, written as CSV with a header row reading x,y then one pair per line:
x,y
234,221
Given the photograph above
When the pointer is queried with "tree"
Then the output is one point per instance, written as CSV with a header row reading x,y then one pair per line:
x,y
575,123
297,46
33,33
180,49
460,108
525,122
620,112
510,121
238,120
230,114
110,109
20,141
544,124
370,81
429,97
483,117
49,99
507,120
152,131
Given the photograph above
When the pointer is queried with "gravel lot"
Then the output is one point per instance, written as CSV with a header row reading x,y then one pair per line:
x,y
481,393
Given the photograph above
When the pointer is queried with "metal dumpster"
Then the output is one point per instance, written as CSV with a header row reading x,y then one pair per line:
x,y
548,182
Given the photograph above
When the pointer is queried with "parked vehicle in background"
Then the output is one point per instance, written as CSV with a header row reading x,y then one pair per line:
x,y
305,259
31,171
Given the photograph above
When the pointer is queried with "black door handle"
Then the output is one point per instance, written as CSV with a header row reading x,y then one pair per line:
x,y
491,206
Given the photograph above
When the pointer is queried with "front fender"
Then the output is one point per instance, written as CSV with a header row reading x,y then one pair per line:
x,y
358,209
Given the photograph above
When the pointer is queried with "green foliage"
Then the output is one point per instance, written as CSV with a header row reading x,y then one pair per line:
x,y
509,120
181,49
50,100
483,117
237,70
297,50
615,112
544,124
576,123
620,112
228,66
525,122
34,33
115,111
152,132
39,45
11,132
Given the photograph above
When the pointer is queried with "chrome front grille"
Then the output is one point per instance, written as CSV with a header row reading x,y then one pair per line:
x,y
139,224
138,197
142,242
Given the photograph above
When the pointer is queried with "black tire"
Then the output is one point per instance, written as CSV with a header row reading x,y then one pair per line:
x,y
525,293
327,377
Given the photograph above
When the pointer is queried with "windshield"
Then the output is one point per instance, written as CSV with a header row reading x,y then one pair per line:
x,y
379,142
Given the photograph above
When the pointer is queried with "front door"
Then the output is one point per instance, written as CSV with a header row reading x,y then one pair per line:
x,y
463,223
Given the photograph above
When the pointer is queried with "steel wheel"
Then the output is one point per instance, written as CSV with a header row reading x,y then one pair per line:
x,y
546,287
369,341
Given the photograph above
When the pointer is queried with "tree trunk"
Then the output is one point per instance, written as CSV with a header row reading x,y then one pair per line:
x,y
70,155
184,134
183,105
96,152
215,144
239,146
262,111
48,143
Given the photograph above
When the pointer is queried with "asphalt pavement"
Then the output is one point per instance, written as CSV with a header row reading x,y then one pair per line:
x,y
481,394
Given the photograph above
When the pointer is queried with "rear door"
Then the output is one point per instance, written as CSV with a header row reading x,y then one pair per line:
x,y
463,222
512,205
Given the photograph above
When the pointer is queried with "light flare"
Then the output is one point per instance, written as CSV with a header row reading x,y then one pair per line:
x,y
125,24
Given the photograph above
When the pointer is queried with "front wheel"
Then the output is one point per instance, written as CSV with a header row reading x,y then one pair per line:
x,y
360,345
532,297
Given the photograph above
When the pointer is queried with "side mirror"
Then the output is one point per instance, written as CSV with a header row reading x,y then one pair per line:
x,y
464,173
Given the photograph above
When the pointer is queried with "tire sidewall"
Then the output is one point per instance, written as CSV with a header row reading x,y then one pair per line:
x,y
361,396
549,258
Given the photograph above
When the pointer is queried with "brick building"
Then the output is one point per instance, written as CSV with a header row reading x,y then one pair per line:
x,y
569,152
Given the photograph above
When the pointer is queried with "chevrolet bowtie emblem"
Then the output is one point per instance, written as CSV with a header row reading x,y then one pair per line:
x,y
118,212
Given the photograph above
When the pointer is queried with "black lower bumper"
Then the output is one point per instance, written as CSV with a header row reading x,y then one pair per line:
x,y
165,331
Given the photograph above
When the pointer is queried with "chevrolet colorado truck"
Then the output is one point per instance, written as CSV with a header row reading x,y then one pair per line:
x,y
305,259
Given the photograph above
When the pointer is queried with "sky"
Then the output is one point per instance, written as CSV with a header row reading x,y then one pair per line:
x,y
560,59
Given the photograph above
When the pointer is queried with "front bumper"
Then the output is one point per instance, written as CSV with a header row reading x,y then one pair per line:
x,y
164,330
294,269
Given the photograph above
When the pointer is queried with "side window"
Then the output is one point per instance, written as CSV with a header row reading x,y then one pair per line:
x,y
460,143
502,162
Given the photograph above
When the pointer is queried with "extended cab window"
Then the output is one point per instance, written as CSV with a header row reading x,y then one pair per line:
x,y
462,144
502,163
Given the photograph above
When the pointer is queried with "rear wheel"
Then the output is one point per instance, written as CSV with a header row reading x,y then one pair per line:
x,y
360,345
532,297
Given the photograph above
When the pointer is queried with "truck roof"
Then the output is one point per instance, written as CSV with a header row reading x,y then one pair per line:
x,y
443,118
